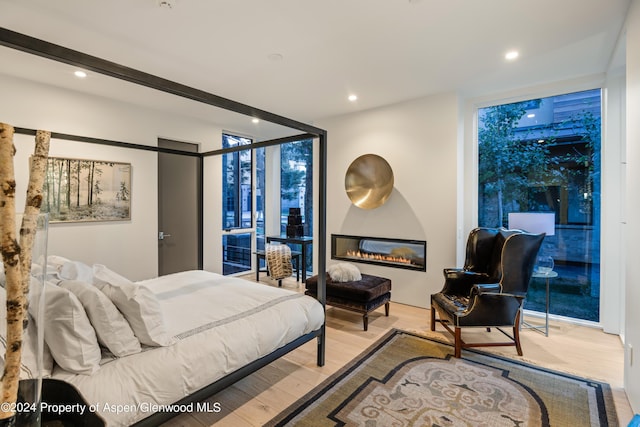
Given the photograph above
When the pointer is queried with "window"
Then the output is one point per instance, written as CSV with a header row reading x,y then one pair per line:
x,y
237,195
296,185
259,154
237,202
543,155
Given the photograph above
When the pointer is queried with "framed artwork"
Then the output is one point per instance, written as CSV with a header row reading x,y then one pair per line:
x,y
87,190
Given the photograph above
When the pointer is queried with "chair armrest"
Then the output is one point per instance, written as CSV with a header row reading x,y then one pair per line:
x,y
459,273
483,288
459,281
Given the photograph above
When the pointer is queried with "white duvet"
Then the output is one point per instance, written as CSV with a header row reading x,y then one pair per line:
x,y
220,324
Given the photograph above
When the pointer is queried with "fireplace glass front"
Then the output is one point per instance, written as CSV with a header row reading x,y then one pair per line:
x,y
398,253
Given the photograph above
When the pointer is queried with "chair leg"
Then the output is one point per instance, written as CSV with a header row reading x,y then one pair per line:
x,y
458,342
386,309
280,282
365,320
516,336
433,318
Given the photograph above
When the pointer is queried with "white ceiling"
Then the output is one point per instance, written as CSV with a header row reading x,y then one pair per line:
x,y
385,51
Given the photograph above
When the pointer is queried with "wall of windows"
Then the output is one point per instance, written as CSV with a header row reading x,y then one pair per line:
x,y
543,155
244,196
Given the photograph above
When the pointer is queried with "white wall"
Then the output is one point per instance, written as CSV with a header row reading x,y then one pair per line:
x,y
632,208
128,247
419,141
212,226
612,241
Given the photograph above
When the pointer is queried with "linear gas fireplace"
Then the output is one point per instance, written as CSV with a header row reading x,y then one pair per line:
x,y
398,253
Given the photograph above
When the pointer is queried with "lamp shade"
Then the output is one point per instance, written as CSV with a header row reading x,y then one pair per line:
x,y
534,222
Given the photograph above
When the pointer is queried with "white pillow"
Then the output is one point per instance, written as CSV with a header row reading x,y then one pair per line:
x,y
344,272
112,330
56,262
28,362
138,304
68,332
54,265
75,270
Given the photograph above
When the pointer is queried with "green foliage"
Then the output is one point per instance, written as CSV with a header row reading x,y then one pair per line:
x,y
509,162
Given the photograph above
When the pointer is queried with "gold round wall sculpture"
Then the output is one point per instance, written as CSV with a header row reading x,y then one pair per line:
x,y
369,181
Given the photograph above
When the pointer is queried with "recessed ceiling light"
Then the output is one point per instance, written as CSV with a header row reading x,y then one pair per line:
x,y
275,57
353,98
511,55
80,74
530,116
254,120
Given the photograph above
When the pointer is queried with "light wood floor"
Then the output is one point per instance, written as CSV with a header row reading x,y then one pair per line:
x,y
578,350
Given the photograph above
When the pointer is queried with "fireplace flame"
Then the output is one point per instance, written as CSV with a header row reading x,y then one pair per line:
x,y
379,257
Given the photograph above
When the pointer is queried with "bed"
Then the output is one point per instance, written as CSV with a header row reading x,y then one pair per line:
x,y
215,330
119,71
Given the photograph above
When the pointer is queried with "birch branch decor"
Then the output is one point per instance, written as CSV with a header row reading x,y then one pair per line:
x,y
16,254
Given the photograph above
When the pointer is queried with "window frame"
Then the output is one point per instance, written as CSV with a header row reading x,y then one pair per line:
x,y
613,150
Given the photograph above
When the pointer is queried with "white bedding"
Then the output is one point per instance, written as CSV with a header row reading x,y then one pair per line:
x,y
220,324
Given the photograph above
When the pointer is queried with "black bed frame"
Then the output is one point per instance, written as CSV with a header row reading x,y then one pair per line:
x,y
38,47
226,381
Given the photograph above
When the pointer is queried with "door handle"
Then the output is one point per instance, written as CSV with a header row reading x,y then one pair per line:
x,y
162,235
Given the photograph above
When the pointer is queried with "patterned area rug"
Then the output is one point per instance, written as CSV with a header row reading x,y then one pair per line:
x,y
407,380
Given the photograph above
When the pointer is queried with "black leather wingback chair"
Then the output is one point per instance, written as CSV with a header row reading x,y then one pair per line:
x,y
490,289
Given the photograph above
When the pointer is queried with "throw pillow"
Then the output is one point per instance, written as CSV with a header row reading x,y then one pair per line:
x,y
344,272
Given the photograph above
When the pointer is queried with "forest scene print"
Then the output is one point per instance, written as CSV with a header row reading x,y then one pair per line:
x,y
87,190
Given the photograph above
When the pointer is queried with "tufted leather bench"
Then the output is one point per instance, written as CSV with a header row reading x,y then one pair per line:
x,y
361,296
